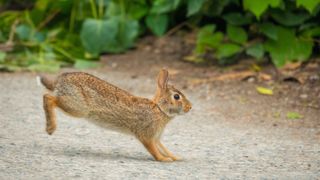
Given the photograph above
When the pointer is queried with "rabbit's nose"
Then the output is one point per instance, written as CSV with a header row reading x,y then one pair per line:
x,y
187,108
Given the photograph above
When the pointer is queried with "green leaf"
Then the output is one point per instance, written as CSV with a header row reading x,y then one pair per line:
x,y
24,32
2,56
214,40
2,38
310,5
294,115
164,6
38,37
288,47
288,18
194,6
258,7
206,31
96,34
256,50
264,91
237,34
85,64
47,67
214,8
211,41
158,23
269,30
227,50
311,32
113,10
237,19
127,32
137,10
207,39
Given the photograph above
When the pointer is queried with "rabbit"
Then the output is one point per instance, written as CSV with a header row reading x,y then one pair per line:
x,y
85,96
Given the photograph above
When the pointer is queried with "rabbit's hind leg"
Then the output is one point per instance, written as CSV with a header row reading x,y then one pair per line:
x,y
49,103
72,106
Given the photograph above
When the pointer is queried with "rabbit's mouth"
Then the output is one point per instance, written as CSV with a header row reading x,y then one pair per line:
x,y
176,111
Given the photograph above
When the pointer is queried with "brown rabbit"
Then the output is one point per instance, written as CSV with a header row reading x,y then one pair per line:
x,y
86,96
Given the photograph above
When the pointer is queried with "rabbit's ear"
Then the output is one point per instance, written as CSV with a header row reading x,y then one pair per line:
x,y
163,78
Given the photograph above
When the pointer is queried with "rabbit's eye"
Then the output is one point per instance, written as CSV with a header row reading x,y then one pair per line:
x,y
176,96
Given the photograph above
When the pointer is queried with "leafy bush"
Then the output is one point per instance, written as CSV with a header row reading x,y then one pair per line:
x,y
43,35
284,29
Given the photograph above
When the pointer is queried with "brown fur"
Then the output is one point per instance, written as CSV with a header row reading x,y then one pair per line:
x,y
86,96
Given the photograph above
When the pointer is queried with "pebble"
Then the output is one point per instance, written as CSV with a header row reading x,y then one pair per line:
x,y
303,96
251,79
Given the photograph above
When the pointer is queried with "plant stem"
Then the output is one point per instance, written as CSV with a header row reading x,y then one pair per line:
x,y
123,9
48,19
65,53
101,9
12,31
94,9
29,20
72,17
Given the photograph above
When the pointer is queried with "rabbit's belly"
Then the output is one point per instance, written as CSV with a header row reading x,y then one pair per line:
x,y
110,123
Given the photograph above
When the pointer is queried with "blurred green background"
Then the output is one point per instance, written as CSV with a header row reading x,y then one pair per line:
x,y
45,35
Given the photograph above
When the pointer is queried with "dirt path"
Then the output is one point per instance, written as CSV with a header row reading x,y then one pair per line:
x,y
211,143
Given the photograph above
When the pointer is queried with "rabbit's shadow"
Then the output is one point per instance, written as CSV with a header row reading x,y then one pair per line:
x,y
108,154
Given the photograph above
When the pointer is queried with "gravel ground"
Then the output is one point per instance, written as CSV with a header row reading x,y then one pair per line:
x,y
211,146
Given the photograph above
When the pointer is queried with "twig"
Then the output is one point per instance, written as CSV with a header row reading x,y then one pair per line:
x,y
176,28
12,32
310,40
306,106
47,20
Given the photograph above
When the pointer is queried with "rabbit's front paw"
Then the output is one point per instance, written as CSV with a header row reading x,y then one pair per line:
x,y
176,158
165,159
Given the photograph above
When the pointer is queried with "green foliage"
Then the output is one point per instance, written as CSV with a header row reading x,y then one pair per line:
x,y
164,6
237,34
96,34
258,7
158,23
209,40
294,115
237,19
291,39
256,51
227,50
287,47
85,64
56,33
2,56
194,6
127,32
288,18
310,5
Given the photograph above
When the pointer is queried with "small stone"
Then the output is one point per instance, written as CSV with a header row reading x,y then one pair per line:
x,y
314,77
303,96
251,79
157,51
114,65
134,76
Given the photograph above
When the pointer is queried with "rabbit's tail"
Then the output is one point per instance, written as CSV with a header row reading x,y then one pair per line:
x,y
48,83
